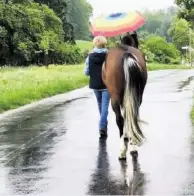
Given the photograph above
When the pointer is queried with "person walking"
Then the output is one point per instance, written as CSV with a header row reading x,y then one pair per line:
x,y
93,69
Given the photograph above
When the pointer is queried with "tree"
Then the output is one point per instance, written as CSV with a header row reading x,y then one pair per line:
x,y
74,15
27,29
179,31
153,21
186,10
158,22
60,7
78,15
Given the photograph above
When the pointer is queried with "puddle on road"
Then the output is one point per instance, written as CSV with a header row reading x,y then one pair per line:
x,y
185,83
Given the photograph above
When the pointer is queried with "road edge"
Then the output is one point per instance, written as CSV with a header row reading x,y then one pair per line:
x,y
47,103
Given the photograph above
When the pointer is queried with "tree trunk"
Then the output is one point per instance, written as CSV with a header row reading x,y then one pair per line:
x,y
46,58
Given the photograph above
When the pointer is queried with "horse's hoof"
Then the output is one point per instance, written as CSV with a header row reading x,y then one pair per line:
x,y
122,158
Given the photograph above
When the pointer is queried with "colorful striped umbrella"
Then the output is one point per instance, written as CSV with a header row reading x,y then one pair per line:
x,y
117,23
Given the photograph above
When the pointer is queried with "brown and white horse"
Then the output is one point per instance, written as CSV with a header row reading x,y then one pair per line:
x,y
125,75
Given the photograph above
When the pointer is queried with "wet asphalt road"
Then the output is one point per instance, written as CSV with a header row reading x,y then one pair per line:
x,y
58,152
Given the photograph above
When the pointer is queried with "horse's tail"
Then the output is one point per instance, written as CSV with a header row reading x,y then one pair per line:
x,y
134,87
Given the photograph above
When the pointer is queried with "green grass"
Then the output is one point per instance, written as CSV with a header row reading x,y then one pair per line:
x,y
20,86
84,45
157,66
192,115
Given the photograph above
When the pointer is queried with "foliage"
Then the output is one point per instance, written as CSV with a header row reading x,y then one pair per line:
x,y
160,50
60,7
186,10
179,31
111,42
162,28
149,55
30,32
44,32
157,22
78,15
74,15
67,54
160,66
192,115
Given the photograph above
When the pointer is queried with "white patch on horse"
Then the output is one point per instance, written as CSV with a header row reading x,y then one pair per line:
x,y
124,130
123,148
132,147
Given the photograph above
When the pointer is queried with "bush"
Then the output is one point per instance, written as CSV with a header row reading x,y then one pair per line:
x,y
176,61
68,54
160,50
149,55
112,42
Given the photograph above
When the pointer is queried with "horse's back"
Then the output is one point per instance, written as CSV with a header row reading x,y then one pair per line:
x,y
113,63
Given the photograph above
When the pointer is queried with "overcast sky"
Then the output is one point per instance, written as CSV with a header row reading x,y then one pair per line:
x,y
108,6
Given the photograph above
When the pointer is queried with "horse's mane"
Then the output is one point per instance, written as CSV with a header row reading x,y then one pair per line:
x,y
123,47
135,38
130,40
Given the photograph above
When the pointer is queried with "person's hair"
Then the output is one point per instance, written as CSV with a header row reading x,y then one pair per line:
x,y
99,42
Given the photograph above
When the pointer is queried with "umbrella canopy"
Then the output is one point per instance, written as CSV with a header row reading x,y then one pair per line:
x,y
117,23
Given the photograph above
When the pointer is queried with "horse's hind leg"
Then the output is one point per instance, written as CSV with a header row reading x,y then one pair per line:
x,y
120,124
119,118
133,150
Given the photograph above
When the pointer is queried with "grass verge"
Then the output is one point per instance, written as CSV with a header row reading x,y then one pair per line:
x,y
20,86
157,66
84,45
192,115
